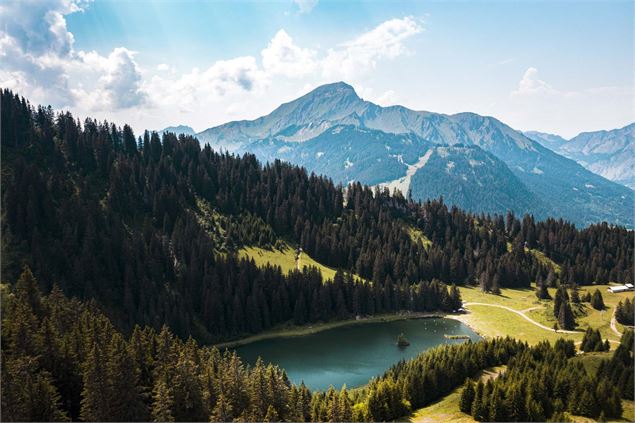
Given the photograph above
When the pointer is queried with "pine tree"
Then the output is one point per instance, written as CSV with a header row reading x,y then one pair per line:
x,y
455,298
346,412
125,400
223,411
516,404
95,394
162,402
272,415
561,296
551,279
597,302
27,292
467,396
566,320
478,409
29,394
541,291
575,296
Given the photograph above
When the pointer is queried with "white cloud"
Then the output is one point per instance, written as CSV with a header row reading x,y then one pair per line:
x,y
40,62
305,6
283,57
122,79
538,105
194,89
530,84
385,41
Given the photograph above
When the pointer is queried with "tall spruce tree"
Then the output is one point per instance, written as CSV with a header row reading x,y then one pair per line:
x,y
597,302
467,396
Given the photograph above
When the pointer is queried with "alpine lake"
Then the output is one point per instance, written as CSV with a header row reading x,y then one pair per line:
x,y
353,354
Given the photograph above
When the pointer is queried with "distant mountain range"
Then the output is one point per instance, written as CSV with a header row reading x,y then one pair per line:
x,y
607,153
474,162
180,129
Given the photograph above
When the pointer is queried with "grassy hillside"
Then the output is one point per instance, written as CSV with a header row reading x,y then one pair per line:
x,y
447,409
417,235
494,321
285,258
587,316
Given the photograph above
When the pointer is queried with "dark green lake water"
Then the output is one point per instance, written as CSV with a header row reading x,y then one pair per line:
x,y
352,354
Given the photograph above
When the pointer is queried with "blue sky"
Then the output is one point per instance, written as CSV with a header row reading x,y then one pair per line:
x,y
560,67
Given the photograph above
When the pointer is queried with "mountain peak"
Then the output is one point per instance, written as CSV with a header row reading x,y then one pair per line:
x,y
328,102
336,87
335,91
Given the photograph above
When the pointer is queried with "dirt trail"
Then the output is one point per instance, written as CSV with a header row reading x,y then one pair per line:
x,y
523,315
614,325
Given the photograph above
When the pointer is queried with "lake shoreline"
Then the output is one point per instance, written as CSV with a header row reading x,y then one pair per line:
x,y
466,322
295,331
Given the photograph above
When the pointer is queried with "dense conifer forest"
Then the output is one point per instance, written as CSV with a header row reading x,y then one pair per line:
x,y
120,255
62,359
540,384
148,227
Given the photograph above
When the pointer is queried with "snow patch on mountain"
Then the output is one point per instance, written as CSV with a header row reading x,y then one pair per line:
x,y
403,184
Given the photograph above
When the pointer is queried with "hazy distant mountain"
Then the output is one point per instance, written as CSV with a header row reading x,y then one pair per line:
x,y
551,141
467,177
332,131
610,154
180,129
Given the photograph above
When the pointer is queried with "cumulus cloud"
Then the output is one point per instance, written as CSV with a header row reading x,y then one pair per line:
x,y
39,60
530,84
386,41
198,87
283,57
122,79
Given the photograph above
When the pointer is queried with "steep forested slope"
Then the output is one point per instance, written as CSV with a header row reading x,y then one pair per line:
x,y
374,137
64,360
149,228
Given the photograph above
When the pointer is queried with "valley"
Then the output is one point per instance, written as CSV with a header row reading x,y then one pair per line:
x,y
317,211
151,259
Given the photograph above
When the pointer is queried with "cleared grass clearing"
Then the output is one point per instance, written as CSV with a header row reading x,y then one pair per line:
x,y
587,316
418,235
285,258
543,259
518,299
591,361
447,409
491,322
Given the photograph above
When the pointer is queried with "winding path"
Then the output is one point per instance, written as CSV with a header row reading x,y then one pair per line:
x,y
614,325
523,315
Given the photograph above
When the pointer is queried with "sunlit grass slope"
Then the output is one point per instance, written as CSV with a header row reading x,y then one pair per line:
x,y
285,258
